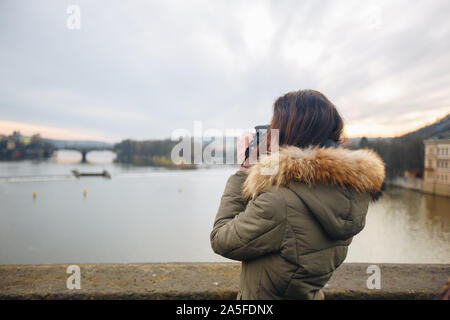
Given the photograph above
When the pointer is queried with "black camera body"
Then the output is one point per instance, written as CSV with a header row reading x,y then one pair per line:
x,y
258,136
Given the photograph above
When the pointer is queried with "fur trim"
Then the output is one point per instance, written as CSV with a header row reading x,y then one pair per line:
x,y
362,170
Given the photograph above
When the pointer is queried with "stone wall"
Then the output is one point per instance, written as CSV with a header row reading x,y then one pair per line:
x,y
205,281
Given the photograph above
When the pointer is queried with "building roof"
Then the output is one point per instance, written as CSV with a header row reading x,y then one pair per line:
x,y
437,140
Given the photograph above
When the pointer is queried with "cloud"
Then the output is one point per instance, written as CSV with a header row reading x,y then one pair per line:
x,y
51,132
142,69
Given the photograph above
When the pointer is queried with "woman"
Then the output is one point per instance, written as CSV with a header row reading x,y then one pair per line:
x,y
291,229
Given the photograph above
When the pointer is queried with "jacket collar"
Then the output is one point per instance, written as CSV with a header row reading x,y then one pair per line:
x,y
362,170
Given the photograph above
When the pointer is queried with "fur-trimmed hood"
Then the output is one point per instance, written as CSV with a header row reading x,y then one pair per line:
x,y
362,170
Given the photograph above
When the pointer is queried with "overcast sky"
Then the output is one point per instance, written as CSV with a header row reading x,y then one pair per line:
x,y
141,69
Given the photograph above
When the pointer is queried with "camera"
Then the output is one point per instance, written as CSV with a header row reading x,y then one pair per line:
x,y
259,135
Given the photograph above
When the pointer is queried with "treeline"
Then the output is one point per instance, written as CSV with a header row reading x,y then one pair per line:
x,y
407,152
400,154
17,147
158,152
146,153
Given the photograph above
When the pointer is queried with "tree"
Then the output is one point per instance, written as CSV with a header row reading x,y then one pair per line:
x,y
363,143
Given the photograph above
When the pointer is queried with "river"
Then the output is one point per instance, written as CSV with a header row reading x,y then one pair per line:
x,y
145,214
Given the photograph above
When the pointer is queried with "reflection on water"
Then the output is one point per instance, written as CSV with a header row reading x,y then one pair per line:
x,y
93,157
405,226
154,215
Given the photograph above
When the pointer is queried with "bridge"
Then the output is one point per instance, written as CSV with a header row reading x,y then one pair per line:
x,y
85,149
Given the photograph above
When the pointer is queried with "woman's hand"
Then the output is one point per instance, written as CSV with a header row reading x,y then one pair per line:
x,y
242,145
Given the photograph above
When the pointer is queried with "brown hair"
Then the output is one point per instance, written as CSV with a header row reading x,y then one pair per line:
x,y
305,118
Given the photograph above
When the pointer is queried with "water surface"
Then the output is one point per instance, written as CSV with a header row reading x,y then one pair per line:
x,y
146,214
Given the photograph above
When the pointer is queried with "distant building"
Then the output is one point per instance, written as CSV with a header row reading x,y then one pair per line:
x,y
10,145
436,178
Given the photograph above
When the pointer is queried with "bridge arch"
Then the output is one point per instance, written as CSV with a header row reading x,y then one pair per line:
x,y
85,150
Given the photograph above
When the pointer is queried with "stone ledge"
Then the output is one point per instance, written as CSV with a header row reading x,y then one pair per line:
x,y
205,281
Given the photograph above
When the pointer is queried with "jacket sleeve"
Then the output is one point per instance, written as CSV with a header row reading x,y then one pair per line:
x,y
245,231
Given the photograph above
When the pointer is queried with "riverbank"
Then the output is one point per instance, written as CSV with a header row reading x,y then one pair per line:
x,y
418,184
206,281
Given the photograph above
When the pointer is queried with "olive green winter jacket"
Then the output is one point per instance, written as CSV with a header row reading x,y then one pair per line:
x,y
291,219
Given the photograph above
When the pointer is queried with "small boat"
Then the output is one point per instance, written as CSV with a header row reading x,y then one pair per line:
x,y
104,174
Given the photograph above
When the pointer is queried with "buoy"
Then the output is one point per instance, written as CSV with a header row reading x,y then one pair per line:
x,y
84,192
180,189
34,194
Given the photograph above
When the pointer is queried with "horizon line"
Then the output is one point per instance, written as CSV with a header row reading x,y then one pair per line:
x,y
54,133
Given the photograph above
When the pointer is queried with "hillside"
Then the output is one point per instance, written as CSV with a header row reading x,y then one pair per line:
x,y
406,152
439,129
